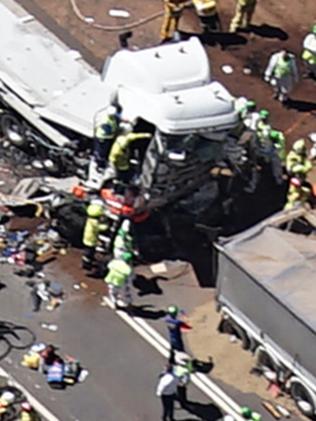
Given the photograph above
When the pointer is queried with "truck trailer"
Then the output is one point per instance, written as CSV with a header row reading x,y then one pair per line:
x,y
266,287
50,98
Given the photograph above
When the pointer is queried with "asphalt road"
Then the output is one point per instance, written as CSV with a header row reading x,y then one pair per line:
x,y
123,368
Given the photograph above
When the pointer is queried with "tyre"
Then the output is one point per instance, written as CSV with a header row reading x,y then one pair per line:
x,y
269,367
242,336
21,337
303,399
10,414
13,129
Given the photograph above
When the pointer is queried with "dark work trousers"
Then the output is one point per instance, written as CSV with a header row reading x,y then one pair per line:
x,y
36,300
182,396
167,407
211,23
88,257
101,150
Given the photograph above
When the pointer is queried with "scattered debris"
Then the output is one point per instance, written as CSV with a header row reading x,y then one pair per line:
x,y
51,327
246,71
119,13
270,408
76,286
158,268
283,411
227,69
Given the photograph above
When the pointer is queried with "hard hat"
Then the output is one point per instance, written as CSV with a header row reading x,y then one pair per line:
x,y
126,127
251,105
264,113
127,256
182,358
228,418
8,397
95,211
111,111
299,146
126,226
26,406
314,29
173,310
275,135
296,182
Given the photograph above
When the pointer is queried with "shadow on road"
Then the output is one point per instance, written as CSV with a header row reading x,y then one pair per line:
x,y
145,312
268,31
302,106
148,286
206,412
204,367
224,39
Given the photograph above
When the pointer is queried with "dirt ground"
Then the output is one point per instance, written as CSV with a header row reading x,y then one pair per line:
x,y
277,24
232,364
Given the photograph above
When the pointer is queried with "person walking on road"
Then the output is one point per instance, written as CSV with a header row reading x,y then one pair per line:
x,y
118,279
243,15
174,326
166,391
282,74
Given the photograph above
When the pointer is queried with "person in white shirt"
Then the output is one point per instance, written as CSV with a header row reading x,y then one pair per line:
x,y
166,391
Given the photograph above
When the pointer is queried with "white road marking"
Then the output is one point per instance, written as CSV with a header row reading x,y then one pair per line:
x,y
40,408
204,383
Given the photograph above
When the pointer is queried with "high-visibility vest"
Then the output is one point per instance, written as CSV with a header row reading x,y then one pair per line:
x,y
106,128
119,153
205,6
91,232
282,68
244,3
309,57
119,271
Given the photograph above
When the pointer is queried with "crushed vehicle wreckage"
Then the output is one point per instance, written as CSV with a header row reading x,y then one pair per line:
x,y
51,113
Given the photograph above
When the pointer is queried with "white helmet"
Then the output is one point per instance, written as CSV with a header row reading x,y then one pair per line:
x,y
126,127
8,397
126,225
111,111
182,358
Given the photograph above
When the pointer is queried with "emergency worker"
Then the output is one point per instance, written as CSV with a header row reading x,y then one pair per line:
x,y
27,413
92,229
299,193
243,15
263,126
119,278
123,241
7,398
183,368
279,143
174,326
208,15
105,131
297,162
119,157
309,52
172,13
282,74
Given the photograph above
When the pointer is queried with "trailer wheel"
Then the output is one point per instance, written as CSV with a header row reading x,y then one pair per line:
x,y
242,335
13,129
265,362
303,399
